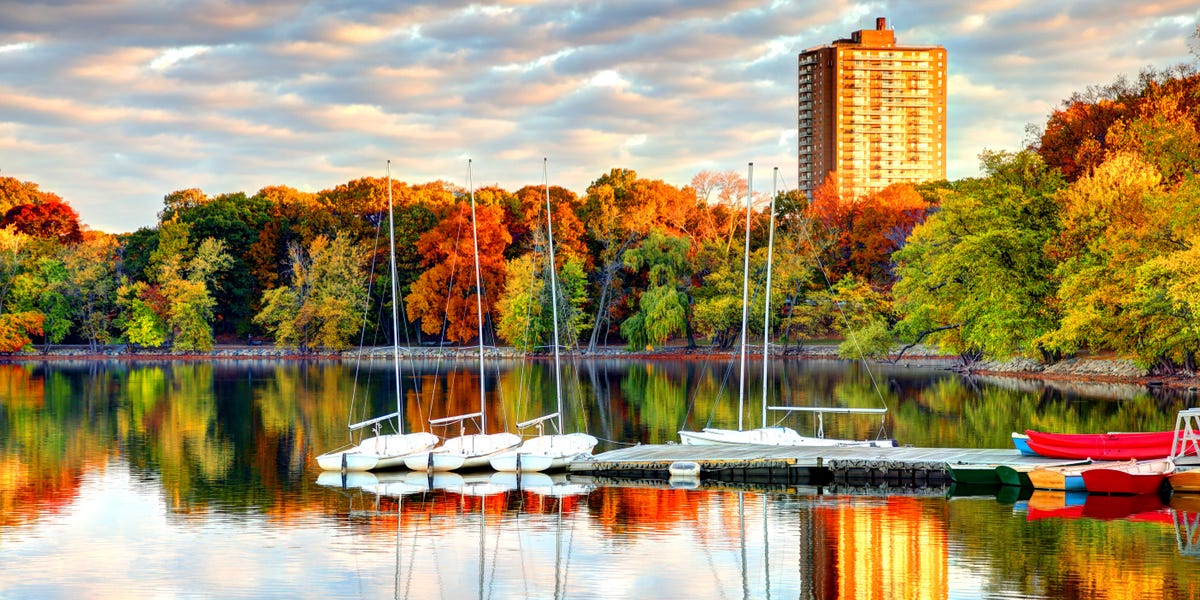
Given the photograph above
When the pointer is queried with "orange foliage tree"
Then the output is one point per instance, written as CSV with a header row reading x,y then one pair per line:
x,y
859,237
15,329
447,287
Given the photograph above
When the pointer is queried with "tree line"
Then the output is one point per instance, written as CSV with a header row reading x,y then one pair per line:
x,y
1084,240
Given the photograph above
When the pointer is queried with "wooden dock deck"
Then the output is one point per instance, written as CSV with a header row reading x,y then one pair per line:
x,y
904,466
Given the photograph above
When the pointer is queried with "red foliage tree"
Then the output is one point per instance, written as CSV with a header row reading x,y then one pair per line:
x,y
52,219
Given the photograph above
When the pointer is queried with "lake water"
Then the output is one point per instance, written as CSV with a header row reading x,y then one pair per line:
x,y
197,480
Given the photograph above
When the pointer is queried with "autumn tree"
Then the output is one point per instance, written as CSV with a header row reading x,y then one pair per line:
x,y
91,270
525,308
43,288
1121,227
445,294
176,304
14,192
14,252
322,306
50,219
16,327
1079,136
610,235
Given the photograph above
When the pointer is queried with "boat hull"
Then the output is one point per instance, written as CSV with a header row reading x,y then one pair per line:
x,y
1064,478
1014,476
347,460
974,474
1102,446
1185,481
545,453
465,452
1131,479
379,452
1021,443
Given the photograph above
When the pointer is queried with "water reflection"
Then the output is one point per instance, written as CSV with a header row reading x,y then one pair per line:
x,y
166,478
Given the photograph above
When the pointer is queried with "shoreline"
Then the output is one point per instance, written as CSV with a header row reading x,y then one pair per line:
x,y
1098,370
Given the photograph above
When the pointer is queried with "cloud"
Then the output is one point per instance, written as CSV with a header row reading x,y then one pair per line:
x,y
145,98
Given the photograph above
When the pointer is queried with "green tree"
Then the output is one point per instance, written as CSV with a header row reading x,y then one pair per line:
x,y
91,288
143,314
237,221
974,277
662,309
322,306
177,304
193,304
524,319
44,289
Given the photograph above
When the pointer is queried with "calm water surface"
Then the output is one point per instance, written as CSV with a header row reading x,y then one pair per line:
x,y
185,479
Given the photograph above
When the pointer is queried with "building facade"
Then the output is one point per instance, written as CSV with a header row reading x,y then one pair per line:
x,y
872,113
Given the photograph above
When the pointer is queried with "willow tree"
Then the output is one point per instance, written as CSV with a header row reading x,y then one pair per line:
x,y
662,308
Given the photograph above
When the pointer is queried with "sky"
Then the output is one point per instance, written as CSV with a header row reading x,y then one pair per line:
x,y
113,104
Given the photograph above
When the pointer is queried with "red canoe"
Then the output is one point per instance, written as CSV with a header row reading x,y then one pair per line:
x,y
1132,478
1102,446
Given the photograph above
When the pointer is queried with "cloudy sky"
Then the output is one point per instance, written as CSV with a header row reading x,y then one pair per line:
x,y
112,104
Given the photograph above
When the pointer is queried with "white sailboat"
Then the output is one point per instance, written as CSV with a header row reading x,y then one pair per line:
x,y
471,451
554,451
777,435
382,451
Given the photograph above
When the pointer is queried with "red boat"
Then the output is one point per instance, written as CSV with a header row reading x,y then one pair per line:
x,y
1137,477
1102,446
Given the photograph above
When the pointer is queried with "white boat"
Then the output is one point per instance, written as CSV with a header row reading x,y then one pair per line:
x,y
382,450
555,451
472,451
771,435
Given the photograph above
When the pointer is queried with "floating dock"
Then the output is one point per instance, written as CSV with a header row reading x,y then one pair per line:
x,y
903,466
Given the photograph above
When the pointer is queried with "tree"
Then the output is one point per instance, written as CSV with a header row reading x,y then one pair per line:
x,y
192,307
50,219
44,289
91,268
14,192
14,253
237,221
445,294
322,306
16,327
662,309
974,276
524,315
143,313
176,304
1120,226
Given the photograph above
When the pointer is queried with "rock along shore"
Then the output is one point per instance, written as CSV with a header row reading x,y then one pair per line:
x,y
1096,369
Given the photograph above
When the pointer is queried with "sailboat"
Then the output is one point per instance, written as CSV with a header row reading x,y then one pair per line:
x,y
777,435
474,450
382,451
553,451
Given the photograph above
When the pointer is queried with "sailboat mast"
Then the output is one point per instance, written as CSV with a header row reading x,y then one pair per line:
x,y
745,296
395,294
553,296
478,301
767,300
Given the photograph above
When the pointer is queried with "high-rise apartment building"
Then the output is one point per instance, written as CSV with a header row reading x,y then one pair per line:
x,y
872,112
